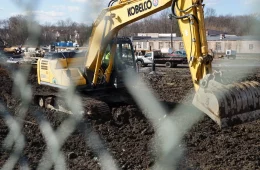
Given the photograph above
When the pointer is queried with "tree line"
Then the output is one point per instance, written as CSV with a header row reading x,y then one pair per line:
x,y
16,29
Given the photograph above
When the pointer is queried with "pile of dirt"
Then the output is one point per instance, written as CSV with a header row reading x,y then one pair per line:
x,y
128,138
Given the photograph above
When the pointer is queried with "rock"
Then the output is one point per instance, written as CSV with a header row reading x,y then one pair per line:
x,y
72,155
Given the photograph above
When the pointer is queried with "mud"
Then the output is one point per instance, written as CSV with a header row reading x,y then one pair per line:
x,y
128,139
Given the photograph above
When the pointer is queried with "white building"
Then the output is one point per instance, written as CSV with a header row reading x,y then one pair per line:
x,y
219,44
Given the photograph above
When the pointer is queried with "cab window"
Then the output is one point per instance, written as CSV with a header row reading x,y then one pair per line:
x,y
124,56
148,55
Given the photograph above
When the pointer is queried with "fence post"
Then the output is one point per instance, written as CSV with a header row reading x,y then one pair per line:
x,y
153,65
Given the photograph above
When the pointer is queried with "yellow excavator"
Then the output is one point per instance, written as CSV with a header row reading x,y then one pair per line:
x,y
109,56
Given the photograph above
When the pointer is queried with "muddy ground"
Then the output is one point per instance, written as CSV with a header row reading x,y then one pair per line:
x,y
128,140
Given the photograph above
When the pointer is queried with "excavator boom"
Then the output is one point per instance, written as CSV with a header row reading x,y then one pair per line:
x,y
111,20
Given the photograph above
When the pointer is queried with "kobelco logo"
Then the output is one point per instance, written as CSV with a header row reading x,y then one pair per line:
x,y
140,8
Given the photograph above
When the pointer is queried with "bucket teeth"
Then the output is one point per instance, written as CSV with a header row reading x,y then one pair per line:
x,y
230,104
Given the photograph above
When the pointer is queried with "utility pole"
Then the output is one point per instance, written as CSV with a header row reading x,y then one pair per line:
x,y
170,17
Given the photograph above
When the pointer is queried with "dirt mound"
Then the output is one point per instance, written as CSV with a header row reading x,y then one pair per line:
x,y
127,134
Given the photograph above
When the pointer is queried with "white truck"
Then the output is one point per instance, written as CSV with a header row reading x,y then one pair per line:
x,y
169,60
142,59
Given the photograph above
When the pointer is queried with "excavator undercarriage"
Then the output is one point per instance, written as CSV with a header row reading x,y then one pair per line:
x,y
96,104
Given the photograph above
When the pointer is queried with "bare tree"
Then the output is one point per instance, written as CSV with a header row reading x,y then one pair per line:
x,y
210,12
15,29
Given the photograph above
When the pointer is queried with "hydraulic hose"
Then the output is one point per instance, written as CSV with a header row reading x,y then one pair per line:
x,y
174,2
173,11
110,3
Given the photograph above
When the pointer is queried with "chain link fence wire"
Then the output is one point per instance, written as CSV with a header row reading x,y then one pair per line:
x,y
169,128
15,140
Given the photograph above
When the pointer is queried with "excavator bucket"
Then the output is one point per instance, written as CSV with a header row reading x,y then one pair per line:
x,y
229,104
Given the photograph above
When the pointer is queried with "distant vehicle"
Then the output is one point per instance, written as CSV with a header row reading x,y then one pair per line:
x,y
22,59
13,50
179,53
75,45
157,57
231,54
15,59
182,52
66,44
166,50
142,60
64,54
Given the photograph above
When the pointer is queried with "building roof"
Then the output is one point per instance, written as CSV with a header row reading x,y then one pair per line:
x,y
209,38
214,32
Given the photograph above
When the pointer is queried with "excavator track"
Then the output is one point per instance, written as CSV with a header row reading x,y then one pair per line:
x,y
91,106
96,104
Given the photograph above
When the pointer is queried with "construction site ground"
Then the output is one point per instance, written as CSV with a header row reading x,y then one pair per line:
x,y
206,146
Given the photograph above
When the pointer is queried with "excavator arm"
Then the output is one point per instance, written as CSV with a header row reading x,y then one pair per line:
x,y
191,22
226,104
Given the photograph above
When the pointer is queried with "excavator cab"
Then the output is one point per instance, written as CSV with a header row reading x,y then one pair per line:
x,y
123,60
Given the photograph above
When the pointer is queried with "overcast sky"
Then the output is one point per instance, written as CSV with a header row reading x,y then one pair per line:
x,y
87,10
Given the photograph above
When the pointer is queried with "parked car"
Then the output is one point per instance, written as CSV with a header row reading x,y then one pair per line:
x,y
64,54
179,53
15,59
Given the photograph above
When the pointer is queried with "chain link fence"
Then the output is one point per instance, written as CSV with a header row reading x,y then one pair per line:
x,y
169,128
